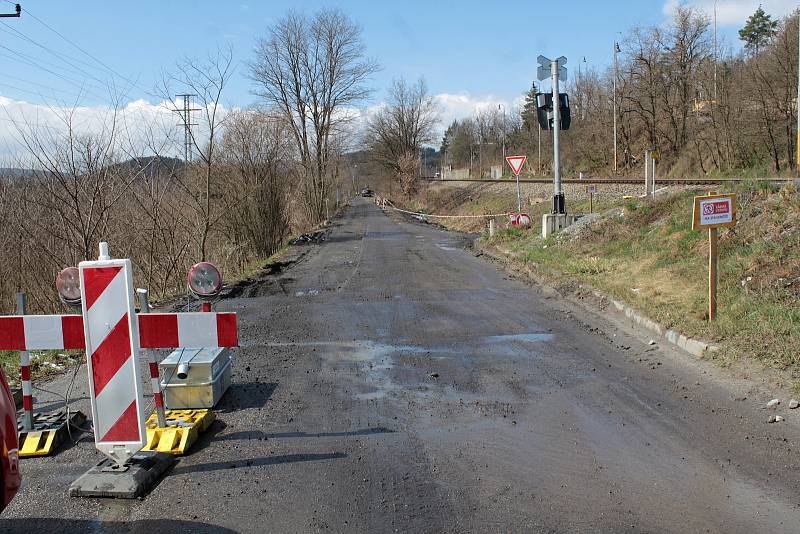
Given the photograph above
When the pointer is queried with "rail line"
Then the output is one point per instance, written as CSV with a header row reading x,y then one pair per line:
x,y
610,181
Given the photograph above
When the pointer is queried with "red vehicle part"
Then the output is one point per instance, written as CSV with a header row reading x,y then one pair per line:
x,y
10,478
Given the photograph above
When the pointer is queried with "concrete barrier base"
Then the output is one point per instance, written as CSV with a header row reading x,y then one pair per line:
x,y
553,222
133,480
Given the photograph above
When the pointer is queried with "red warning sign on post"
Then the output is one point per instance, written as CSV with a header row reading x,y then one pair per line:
x,y
516,163
714,211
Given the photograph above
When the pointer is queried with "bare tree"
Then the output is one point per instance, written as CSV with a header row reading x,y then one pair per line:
x,y
257,158
407,165
313,71
402,125
206,80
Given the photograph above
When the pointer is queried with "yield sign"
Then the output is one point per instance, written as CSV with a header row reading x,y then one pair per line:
x,y
516,163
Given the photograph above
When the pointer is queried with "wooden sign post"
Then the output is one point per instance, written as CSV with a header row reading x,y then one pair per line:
x,y
712,212
591,189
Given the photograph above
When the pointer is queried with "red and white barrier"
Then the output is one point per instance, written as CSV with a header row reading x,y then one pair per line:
x,y
112,335
155,381
27,389
112,354
25,376
156,331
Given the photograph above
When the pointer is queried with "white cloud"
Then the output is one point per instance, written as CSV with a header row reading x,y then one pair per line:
x,y
459,106
463,105
734,12
453,106
139,126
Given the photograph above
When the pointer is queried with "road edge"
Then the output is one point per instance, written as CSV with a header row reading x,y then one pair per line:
x,y
695,347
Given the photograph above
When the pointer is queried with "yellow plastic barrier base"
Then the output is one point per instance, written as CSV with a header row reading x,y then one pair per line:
x,y
49,431
182,430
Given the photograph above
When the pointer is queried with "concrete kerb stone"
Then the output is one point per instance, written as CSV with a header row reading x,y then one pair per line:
x,y
695,347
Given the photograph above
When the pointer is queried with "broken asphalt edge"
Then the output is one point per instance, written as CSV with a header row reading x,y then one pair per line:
x,y
695,347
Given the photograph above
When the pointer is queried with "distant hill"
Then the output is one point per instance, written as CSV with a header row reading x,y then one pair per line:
x,y
14,172
157,167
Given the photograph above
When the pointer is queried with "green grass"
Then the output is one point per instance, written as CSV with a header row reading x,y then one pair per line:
x,y
43,363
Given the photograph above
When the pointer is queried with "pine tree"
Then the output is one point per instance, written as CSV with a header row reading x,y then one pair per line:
x,y
448,137
529,119
758,31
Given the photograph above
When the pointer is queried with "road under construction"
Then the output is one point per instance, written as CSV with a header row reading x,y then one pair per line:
x,y
389,379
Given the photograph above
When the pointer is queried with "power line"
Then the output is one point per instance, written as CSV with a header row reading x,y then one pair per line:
x,y
83,51
62,57
75,95
33,62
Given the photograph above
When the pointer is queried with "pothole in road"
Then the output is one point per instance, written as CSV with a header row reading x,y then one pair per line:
x,y
376,362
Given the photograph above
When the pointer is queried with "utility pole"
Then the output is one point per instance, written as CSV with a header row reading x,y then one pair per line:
x,y
616,51
501,106
539,152
17,12
186,119
584,98
797,110
715,52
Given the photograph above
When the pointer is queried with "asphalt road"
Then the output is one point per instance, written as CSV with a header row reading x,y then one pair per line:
x,y
391,381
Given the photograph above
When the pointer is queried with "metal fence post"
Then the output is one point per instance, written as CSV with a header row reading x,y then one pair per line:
x,y
25,375
158,397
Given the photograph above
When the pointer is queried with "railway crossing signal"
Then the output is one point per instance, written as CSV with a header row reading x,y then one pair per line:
x,y
556,70
546,65
544,110
113,335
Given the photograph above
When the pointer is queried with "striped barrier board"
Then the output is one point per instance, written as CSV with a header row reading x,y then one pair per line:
x,y
156,331
112,355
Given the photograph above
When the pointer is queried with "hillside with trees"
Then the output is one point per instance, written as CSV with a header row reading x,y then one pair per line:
x,y
706,110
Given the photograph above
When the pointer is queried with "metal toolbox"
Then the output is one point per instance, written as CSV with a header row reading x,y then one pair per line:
x,y
195,378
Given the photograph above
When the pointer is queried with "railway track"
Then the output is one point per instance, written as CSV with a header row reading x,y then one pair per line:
x,y
635,181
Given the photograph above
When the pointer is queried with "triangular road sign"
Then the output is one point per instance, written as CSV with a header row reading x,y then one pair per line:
x,y
516,163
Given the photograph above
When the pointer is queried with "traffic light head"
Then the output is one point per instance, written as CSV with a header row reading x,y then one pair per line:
x,y
544,110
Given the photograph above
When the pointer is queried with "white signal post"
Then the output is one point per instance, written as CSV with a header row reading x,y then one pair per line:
x,y
555,70
556,127
516,163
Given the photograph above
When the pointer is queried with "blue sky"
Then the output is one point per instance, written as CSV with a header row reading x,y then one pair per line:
x,y
471,52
